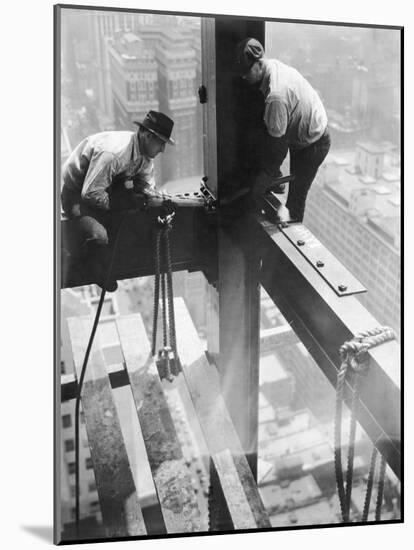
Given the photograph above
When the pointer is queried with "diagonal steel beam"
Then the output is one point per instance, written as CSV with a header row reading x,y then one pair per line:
x,y
324,321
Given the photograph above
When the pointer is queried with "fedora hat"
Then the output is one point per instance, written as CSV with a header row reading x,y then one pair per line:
x,y
159,124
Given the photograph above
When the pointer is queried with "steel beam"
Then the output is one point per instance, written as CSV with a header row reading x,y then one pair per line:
x,y
228,115
324,321
172,479
121,511
192,238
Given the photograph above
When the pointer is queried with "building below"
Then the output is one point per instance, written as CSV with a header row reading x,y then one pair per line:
x,y
73,304
354,209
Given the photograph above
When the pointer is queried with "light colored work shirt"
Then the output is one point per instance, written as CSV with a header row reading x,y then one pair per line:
x,y
103,159
292,107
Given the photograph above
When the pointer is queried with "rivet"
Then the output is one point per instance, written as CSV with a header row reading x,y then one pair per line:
x,y
300,242
319,263
342,288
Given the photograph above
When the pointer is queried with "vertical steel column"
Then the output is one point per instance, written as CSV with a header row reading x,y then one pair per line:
x,y
238,287
238,273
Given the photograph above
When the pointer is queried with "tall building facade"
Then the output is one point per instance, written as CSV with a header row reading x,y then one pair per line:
x,y
134,80
177,66
74,304
153,63
353,208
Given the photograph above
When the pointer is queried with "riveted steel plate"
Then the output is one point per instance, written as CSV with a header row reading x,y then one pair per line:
x,y
324,262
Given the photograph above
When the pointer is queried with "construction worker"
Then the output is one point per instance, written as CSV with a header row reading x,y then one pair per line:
x,y
293,119
108,171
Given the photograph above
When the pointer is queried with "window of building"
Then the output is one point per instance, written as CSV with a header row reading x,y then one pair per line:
x,y
69,445
66,421
94,505
71,467
88,463
92,486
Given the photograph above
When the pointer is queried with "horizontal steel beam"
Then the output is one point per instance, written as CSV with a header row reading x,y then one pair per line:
x,y
324,321
191,238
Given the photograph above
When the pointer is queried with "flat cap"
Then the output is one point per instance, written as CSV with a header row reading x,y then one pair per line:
x,y
248,51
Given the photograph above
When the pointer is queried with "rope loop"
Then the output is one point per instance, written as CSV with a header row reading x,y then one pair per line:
x,y
354,355
355,352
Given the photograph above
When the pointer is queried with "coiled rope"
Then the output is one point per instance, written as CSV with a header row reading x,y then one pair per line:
x,y
354,356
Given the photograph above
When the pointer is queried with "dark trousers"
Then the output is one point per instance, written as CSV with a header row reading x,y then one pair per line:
x,y
304,164
91,225
96,227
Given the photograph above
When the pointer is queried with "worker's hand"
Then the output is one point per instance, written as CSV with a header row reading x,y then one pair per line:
x,y
76,212
165,194
156,193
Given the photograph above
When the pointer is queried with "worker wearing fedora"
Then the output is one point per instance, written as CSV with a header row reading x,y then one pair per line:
x,y
292,118
106,166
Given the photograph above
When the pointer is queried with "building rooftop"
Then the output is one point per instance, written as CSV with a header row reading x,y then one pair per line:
x,y
371,147
130,38
294,443
384,192
316,513
271,369
299,492
129,46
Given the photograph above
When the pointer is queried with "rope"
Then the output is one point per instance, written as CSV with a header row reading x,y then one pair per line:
x,y
351,448
83,372
171,314
338,424
380,491
168,362
370,484
171,317
354,355
164,310
156,290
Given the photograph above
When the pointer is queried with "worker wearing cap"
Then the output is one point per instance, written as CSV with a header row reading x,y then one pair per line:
x,y
294,119
104,166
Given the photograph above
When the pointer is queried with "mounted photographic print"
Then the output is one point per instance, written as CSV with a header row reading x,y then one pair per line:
x,y
228,266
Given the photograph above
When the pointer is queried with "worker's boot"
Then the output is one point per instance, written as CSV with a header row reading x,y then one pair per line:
x,y
96,261
278,188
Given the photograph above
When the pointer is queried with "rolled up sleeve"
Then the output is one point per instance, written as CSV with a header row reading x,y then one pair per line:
x,y
144,179
276,117
102,168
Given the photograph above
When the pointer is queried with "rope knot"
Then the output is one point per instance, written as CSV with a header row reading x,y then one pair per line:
x,y
165,220
355,352
354,355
